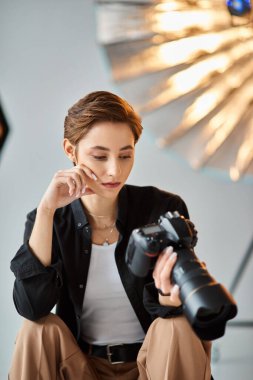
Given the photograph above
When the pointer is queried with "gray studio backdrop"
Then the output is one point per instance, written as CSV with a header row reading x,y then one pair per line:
x,y
49,59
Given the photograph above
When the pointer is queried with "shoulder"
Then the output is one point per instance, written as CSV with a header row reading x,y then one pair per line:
x,y
152,197
145,192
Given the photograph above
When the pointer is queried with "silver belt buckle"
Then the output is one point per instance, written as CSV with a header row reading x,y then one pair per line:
x,y
109,353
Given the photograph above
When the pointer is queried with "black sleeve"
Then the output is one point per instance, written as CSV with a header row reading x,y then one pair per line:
x,y
182,208
36,288
154,308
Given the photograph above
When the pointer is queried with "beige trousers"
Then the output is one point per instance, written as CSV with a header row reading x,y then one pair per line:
x,y
47,350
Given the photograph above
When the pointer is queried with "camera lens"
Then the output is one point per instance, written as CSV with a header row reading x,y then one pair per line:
x,y
205,315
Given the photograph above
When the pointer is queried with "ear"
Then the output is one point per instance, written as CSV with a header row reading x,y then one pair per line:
x,y
70,150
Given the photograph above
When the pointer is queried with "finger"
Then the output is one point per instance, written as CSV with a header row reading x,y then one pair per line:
x,y
77,182
62,179
89,191
173,299
74,181
165,253
72,185
162,258
86,174
163,275
168,266
87,171
161,264
82,177
175,294
161,261
85,190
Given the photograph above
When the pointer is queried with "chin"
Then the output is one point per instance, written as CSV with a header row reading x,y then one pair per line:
x,y
112,193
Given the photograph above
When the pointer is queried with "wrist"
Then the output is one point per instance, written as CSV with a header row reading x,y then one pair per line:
x,y
163,294
45,210
167,301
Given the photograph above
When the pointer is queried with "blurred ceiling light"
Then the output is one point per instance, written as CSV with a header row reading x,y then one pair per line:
x,y
118,21
197,75
210,99
170,54
181,21
224,122
164,51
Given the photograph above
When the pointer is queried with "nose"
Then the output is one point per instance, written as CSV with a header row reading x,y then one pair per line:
x,y
114,168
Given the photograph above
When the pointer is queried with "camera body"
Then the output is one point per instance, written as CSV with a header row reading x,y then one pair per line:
x,y
147,242
206,303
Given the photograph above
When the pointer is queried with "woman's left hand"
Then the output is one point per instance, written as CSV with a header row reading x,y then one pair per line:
x,y
162,278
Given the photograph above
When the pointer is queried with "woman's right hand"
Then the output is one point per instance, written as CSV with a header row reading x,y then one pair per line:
x,y
169,292
68,185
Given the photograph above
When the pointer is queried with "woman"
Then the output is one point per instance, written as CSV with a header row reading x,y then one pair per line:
x,y
73,257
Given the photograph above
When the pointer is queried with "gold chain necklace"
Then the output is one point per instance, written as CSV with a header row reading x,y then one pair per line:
x,y
106,240
98,216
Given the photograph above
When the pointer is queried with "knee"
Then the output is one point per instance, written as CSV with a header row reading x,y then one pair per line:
x,y
48,325
177,329
176,325
165,326
50,320
55,326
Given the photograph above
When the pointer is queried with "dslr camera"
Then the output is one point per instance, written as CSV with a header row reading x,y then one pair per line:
x,y
206,304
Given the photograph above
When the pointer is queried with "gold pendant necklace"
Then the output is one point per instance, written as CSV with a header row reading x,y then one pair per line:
x,y
106,241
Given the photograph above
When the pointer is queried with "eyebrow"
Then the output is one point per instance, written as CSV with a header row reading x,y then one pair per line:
x,y
107,149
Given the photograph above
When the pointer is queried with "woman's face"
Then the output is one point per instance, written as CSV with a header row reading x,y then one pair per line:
x,y
108,150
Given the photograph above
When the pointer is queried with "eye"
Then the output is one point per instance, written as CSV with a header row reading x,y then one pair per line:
x,y
125,157
100,158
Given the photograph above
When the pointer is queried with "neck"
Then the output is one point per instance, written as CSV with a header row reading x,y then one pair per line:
x,y
98,206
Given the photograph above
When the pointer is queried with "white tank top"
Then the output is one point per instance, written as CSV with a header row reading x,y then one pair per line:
x,y
107,315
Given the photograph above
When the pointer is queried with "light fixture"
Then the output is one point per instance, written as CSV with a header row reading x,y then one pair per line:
x,y
192,58
239,7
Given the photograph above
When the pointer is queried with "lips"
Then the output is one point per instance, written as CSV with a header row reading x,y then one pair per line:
x,y
111,185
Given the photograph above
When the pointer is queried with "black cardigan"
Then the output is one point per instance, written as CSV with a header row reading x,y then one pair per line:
x,y
38,289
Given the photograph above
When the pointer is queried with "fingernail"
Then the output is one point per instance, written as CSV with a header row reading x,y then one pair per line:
x,y
175,288
173,256
94,176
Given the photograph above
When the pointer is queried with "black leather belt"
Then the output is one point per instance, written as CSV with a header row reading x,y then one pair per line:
x,y
114,353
